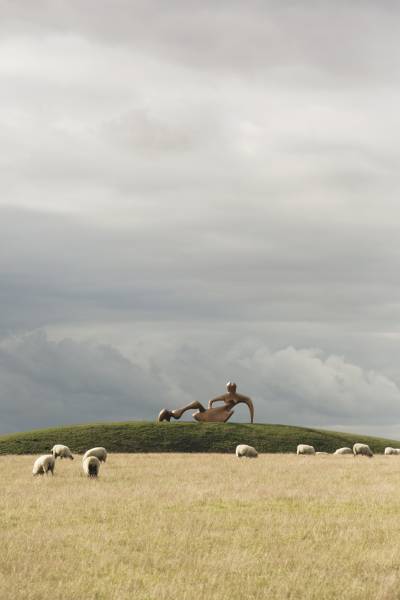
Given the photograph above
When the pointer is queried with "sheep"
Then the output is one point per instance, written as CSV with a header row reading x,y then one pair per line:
x,y
305,449
390,450
91,466
344,450
247,451
61,451
44,464
100,453
362,450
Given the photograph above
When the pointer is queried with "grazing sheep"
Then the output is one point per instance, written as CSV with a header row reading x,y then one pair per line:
x,y
61,451
44,464
390,450
305,449
362,450
100,453
247,451
91,466
344,450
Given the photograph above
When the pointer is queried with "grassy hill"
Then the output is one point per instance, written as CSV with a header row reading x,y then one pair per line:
x,y
142,436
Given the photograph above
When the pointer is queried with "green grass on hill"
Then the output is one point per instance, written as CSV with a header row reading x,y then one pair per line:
x,y
142,436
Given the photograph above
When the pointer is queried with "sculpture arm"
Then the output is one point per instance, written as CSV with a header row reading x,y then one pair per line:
x,y
217,399
248,401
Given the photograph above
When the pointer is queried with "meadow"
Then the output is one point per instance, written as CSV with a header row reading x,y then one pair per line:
x,y
146,436
197,526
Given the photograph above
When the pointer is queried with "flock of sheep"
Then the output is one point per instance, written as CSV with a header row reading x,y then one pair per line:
x,y
92,458
90,462
357,450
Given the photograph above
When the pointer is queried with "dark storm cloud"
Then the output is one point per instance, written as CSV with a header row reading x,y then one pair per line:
x,y
58,269
45,383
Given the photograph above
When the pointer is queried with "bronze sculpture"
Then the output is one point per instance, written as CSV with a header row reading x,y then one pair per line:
x,y
219,414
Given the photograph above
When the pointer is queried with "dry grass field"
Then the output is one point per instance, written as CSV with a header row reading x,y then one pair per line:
x,y
188,527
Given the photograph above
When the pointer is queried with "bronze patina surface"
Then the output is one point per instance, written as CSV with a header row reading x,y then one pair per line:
x,y
219,414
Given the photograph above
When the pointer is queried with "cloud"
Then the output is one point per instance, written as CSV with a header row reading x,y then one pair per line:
x,y
204,175
44,382
245,266
315,388
267,38
289,385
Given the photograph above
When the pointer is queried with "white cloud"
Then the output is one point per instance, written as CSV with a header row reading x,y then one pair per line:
x,y
322,389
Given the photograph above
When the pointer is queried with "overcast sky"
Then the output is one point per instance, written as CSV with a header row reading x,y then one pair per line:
x,y
193,192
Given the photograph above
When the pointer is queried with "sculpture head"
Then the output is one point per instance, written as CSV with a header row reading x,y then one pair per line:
x,y
231,387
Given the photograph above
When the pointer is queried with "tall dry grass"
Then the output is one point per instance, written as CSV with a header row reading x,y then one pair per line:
x,y
202,526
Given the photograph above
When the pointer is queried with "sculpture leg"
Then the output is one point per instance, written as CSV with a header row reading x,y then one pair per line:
x,y
177,413
165,414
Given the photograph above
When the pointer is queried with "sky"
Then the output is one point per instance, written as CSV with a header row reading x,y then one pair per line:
x,y
192,193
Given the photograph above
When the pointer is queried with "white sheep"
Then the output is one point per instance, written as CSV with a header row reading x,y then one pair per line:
x,y
344,450
61,451
362,450
91,466
390,450
305,449
44,464
247,451
100,453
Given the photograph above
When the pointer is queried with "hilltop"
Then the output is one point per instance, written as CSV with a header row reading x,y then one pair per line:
x,y
144,436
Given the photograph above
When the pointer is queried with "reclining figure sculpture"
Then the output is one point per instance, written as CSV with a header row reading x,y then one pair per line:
x,y
212,415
